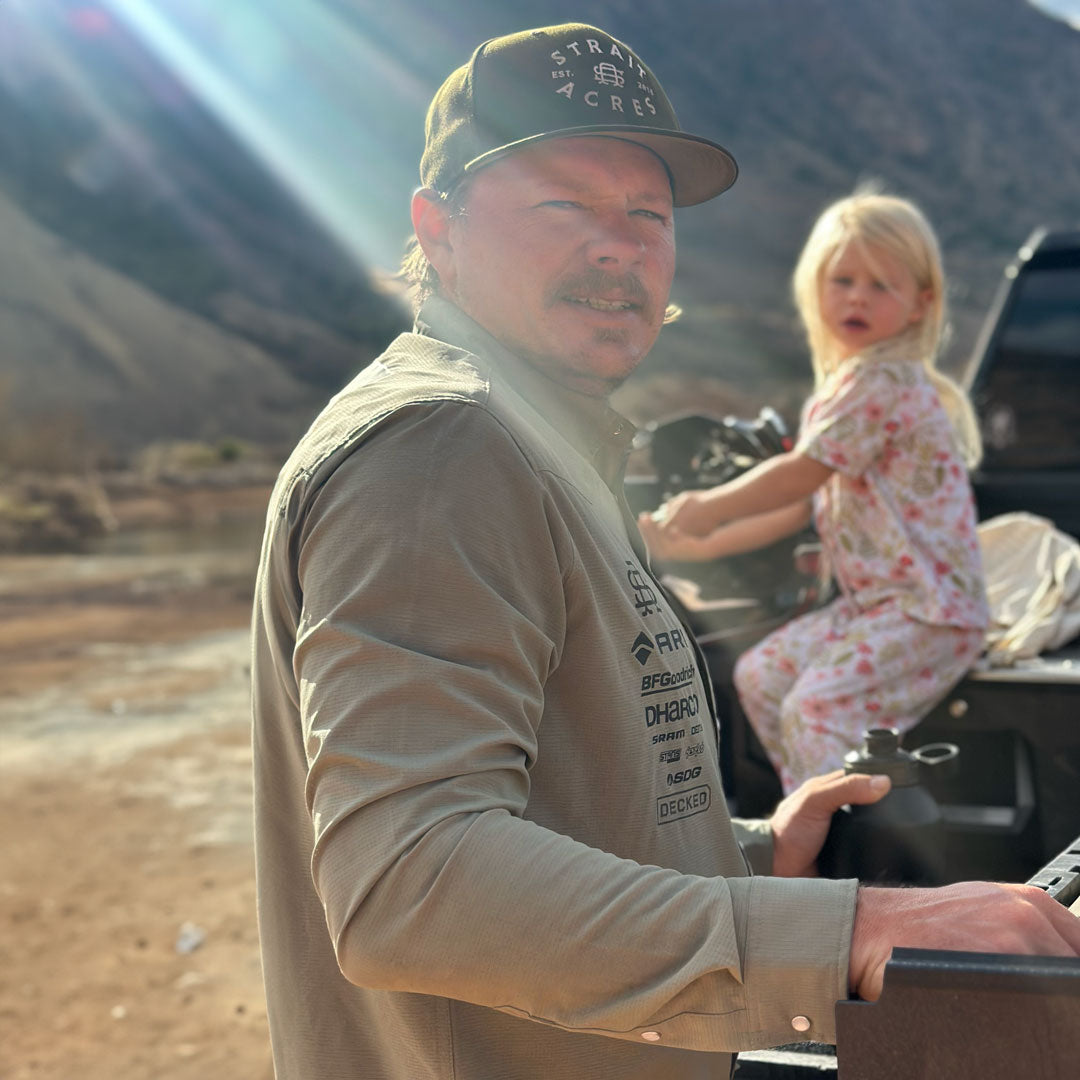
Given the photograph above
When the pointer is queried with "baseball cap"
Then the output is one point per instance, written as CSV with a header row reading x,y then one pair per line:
x,y
559,81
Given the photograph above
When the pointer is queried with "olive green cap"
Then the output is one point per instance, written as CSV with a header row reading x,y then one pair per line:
x,y
560,81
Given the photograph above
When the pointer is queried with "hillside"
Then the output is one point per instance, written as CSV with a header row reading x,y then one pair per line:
x,y
155,281
195,297
968,106
83,341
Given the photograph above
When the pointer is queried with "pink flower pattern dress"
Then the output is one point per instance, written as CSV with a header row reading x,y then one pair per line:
x,y
897,524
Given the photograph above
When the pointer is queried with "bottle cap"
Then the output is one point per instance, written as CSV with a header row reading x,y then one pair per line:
x,y
881,754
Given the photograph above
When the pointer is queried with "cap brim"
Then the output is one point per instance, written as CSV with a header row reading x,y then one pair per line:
x,y
699,168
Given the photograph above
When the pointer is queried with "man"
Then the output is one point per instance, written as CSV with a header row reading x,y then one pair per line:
x,y
478,854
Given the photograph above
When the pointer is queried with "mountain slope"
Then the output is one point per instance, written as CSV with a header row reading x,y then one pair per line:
x,y
79,338
171,288
968,106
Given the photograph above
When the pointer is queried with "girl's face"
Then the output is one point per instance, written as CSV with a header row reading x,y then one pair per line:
x,y
867,296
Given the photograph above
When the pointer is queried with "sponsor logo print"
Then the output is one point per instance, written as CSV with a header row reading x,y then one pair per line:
x,y
663,681
670,757
672,712
670,641
696,729
644,598
668,736
695,750
683,776
642,648
683,804
667,641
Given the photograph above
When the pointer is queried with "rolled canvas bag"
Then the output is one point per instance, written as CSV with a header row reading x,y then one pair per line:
x,y
1033,586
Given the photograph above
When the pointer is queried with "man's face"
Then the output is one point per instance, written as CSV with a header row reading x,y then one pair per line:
x,y
565,254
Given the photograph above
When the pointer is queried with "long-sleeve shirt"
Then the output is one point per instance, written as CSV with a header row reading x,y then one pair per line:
x,y
491,838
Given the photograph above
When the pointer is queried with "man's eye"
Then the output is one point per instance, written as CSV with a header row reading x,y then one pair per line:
x,y
652,215
562,204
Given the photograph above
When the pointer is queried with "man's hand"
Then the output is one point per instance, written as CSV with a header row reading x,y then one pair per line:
x,y
800,822
974,916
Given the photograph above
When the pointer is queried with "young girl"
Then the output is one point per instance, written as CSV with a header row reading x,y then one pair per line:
x,y
881,461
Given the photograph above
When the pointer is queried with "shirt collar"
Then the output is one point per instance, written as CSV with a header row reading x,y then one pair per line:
x,y
599,433
905,346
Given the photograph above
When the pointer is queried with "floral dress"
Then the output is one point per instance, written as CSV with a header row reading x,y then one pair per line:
x,y
897,523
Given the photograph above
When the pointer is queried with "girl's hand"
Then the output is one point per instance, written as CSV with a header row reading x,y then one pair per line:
x,y
667,543
685,513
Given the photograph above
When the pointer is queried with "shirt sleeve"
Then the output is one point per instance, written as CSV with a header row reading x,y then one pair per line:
x,y
851,426
756,840
432,565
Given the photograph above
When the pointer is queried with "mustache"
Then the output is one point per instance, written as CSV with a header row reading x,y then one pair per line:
x,y
594,282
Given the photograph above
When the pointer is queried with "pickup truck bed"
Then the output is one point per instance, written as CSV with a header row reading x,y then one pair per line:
x,y
1016,801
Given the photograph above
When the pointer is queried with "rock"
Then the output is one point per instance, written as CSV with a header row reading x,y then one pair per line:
x,y
41,513
189,938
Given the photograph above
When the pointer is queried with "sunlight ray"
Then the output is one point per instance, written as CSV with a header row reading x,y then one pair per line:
x,y
274,76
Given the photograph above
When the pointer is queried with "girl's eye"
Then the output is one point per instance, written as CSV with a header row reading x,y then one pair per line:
x,y
840,279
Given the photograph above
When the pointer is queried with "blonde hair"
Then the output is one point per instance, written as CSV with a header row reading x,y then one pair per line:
x,y
870,219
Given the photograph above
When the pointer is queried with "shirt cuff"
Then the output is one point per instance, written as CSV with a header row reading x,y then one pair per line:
x,y
796,954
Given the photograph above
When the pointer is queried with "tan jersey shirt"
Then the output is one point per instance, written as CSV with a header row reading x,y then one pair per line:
x,y
491,839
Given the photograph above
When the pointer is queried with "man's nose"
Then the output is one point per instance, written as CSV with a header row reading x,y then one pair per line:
x,y
614,241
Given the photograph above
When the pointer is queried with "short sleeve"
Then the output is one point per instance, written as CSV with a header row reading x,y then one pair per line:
x,y
849,425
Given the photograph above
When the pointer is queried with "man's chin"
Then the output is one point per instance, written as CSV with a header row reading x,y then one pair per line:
x,y
593,385
595,376
600,365
583,376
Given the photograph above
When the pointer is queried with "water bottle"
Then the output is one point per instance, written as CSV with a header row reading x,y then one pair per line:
x,y
901,838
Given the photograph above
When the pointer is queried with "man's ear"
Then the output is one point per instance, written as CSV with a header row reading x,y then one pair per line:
x,y
431,223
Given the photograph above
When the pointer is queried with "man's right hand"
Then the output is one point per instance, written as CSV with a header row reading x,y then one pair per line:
x,y
974,916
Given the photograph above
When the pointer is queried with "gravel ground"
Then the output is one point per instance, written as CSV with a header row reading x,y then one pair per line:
x,y
129,947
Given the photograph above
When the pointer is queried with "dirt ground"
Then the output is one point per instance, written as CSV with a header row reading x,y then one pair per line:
x,y
128,947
